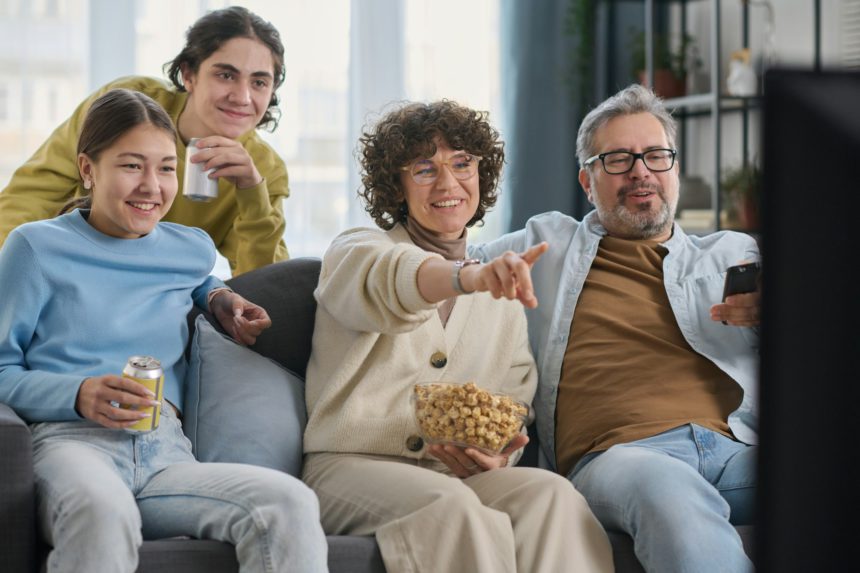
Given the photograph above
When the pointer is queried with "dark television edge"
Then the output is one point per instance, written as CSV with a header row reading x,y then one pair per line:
x,y
808,476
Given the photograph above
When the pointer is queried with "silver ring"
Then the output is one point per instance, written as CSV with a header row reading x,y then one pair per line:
x,y
114,403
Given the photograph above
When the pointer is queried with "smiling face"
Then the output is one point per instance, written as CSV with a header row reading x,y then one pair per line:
x,y
446,205
133,182
230,92
639,204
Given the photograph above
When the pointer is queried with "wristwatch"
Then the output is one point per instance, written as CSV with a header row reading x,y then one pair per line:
x,y
455,274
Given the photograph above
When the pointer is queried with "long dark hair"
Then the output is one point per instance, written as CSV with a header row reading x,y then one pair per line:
x,y
211,31
111,116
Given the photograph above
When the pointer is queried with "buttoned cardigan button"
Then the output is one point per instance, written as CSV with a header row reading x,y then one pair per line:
x,y
438,359
414,443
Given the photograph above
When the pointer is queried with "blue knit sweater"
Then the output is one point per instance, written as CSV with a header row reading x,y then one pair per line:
x,y
76,303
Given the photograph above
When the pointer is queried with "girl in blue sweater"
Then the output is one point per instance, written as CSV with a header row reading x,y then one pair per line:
x,y
81,293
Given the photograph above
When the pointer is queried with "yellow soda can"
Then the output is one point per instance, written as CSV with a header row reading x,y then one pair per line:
x,y
147,371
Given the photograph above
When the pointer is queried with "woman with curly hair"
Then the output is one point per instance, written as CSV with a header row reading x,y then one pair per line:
x,y
399,306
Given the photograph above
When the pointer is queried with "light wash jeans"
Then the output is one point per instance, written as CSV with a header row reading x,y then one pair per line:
x,y
100,492
677,495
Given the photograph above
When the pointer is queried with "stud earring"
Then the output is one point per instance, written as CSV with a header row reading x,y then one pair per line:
x,y
88,184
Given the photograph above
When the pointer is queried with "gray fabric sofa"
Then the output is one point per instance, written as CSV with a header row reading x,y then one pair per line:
x,y
286,291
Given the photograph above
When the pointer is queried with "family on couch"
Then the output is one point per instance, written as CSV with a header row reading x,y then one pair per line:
x,y
642,382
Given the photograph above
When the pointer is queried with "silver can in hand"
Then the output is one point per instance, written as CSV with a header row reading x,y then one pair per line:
x,y
196,184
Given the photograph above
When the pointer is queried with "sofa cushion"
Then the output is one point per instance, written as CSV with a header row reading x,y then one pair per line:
x,y
241,407
286,290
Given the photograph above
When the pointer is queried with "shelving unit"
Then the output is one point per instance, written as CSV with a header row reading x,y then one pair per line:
x,y
699,105
714,104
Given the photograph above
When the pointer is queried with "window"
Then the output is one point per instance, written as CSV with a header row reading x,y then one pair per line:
x,y
9,8
463,68
4,103
39,54
441,57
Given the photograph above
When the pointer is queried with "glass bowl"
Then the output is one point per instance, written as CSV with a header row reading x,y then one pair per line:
x,y
467,416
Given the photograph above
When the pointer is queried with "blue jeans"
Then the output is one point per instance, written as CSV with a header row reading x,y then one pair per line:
x,y
677,494
100,492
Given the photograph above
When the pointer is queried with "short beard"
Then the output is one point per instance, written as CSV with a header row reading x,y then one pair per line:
x,y
636,225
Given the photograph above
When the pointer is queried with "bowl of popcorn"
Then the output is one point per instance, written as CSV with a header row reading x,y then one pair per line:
x,y
466,415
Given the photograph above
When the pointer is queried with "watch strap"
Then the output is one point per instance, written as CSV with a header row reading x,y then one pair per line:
x,y
455,274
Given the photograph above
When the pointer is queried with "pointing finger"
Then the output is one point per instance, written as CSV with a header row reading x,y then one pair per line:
x,y
532,254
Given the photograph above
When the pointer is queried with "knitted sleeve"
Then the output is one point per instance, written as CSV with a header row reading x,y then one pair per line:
x,y
368,283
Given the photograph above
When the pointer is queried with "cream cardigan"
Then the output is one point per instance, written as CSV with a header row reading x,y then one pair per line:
x,y
375,334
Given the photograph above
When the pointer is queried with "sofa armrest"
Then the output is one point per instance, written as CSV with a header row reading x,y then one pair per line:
x,y
17,495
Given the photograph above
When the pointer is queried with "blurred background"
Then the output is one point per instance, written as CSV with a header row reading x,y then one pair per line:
x,y
536,67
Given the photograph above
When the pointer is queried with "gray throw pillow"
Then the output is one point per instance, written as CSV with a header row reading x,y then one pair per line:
x,y
241,407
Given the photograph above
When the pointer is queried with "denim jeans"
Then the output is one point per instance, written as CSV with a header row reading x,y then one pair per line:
x,y
677,494
100,492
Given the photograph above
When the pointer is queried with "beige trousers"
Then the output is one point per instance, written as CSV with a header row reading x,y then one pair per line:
x,y
506,520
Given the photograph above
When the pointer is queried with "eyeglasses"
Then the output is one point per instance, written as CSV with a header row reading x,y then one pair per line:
x,y
618,162
425,171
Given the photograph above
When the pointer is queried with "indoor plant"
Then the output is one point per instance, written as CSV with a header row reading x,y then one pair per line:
x,y
741,189
580,28
672,62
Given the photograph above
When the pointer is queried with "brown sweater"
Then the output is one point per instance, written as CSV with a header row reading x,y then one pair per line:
x,y
628,373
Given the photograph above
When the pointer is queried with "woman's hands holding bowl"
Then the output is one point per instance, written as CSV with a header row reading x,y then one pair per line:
x,y
466,462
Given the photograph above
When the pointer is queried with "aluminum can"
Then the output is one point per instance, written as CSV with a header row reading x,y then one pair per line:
x,y
147,371
196,184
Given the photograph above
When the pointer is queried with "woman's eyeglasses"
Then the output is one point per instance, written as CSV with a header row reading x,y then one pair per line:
x,y
426,171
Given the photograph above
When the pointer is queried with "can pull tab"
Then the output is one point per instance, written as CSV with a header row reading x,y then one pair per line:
x,y
145,362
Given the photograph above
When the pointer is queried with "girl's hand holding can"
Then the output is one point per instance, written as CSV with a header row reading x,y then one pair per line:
x,y
100,399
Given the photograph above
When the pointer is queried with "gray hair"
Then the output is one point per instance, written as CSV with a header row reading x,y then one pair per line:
x,y
631,100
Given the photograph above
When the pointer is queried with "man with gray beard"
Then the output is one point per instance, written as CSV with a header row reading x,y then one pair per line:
x,y
647,391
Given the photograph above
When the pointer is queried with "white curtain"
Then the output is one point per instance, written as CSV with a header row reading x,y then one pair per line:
x,y
112,41
376,78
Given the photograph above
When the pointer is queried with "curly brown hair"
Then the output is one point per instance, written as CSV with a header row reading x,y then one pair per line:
x,y
406,134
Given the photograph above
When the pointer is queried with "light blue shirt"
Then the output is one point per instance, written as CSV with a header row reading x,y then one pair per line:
x,y
77,303
694,272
